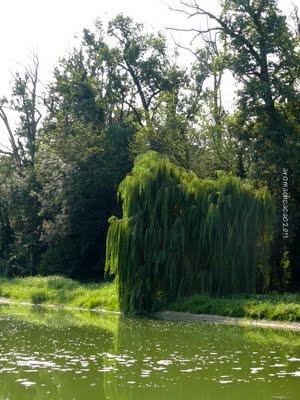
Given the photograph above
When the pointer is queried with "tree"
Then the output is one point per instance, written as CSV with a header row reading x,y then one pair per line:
x,y
143,83
132,68
25,101
114,97
83,155
159,253
20,223
263,55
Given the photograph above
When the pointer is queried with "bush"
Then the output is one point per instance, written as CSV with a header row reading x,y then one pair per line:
x,y
59,259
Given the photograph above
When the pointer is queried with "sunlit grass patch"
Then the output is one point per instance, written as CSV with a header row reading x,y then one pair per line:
x,y
62,291
272,307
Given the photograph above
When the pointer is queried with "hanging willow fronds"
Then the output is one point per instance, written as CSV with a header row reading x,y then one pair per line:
x,y
180,235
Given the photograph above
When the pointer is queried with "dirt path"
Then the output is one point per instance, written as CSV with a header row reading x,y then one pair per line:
x,y
217,319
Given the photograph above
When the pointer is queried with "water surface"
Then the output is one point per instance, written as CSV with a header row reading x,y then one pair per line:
x,y
54,354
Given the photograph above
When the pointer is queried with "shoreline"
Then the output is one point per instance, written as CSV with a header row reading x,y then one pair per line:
x,y
182,316
176,316
8,302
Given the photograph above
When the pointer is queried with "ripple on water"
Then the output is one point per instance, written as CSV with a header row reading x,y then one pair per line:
x,y
293,359
26,382
146,357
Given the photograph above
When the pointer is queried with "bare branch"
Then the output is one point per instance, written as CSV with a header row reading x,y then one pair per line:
x,y
199,31
180,46
296,18
8,153
223,25
5,147
4,118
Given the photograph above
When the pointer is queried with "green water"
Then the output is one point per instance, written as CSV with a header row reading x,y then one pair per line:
x,y
57,355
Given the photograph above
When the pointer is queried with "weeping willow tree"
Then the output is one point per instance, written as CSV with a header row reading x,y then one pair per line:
x,y
180,235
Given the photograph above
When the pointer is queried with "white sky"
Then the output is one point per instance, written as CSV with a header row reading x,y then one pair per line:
x,y
48,27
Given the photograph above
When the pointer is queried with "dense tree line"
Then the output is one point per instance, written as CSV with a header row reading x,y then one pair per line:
x,y
122,93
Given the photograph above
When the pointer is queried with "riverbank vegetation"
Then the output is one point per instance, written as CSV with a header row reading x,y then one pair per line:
x,y
285,307
204,177
57,290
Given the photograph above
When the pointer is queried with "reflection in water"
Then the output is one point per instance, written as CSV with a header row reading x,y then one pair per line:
x,y
83,355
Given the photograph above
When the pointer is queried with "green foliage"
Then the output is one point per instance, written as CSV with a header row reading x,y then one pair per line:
x,y
82,157
272,307
59,259
181,235
79,180
61,291
19,220
39,296
122,93
259,46
264,57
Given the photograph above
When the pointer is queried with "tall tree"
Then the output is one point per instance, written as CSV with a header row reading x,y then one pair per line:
x,y
20,223
25,101
144,84
264,58
83,154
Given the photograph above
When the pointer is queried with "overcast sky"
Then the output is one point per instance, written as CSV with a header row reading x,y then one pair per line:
x,y
48,27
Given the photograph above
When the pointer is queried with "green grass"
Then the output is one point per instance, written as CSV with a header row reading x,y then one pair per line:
x,y
62,291
284,307
68,292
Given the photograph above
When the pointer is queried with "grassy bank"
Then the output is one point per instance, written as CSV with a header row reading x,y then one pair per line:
x,y
64,291
273,307
60,290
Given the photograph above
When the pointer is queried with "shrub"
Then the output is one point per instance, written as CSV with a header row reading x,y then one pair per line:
x,y
58,259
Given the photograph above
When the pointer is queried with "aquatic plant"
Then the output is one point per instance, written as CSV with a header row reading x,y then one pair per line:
x,y
180,235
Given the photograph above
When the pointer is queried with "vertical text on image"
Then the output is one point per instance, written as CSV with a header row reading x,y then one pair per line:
x,y
285,204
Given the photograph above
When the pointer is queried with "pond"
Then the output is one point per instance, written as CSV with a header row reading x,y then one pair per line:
x,y
58,354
